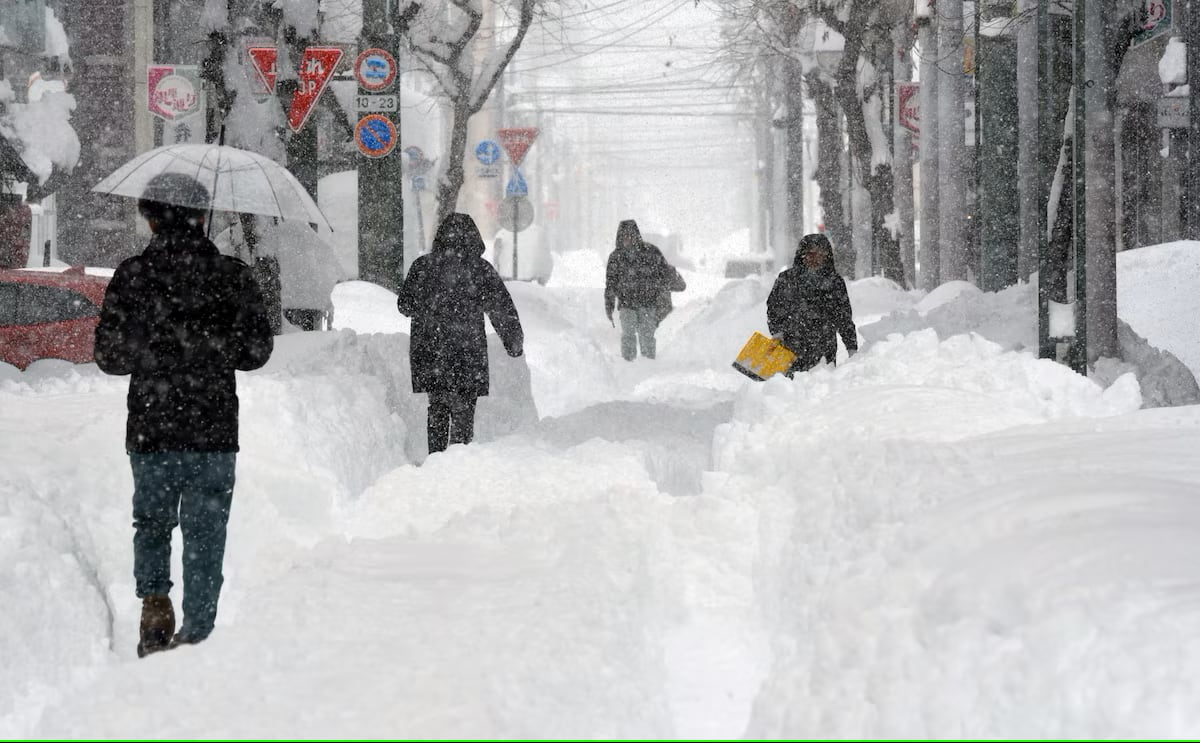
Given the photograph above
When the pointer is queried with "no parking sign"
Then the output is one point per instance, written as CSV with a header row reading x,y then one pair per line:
x,y
375,135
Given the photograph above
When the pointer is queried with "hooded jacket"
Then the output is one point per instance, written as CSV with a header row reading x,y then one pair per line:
x,y
180,318
447,293
637,273
809,309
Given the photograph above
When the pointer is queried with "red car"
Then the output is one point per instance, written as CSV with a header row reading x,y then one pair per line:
x,y
49,315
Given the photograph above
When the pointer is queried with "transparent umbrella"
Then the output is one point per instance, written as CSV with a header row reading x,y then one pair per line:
x,y
238,181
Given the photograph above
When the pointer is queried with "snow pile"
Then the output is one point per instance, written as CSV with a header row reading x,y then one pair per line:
x,y
578,268
923,571
1009,318
380,361
1156,295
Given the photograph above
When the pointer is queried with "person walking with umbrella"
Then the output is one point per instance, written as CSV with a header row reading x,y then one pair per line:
x,y
447,293
179,319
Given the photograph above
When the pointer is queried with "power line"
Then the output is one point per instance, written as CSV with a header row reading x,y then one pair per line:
x,y
662,14
601,112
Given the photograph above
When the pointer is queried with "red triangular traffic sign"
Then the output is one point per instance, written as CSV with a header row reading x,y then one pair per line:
x,y
316,69
262,59
516,141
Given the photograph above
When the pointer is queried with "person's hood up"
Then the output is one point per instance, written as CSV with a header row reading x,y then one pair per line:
x,y
819,241
628,231
458,235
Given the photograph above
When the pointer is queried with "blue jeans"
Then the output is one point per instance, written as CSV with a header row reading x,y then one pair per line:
x,y
637,328
192,490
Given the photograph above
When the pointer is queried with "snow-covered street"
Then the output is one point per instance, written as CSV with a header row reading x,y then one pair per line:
x,y
938,538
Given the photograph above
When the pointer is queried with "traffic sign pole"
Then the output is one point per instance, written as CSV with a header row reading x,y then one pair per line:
x,y
517,141
380,176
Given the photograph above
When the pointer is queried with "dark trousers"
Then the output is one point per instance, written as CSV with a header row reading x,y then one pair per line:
x,y
192,490
451,419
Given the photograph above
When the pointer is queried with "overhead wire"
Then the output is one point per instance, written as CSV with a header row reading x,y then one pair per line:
x,y
661,13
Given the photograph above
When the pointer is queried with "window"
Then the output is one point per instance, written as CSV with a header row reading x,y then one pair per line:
x,y
43,304
8,304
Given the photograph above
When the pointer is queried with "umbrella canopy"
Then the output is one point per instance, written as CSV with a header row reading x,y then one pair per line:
x,y
239,181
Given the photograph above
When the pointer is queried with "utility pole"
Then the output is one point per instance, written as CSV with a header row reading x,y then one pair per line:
x,y
1032,199
928,254
1055,73
1078,353
952,141
381,179
902,42
996,146
795,146
1191,194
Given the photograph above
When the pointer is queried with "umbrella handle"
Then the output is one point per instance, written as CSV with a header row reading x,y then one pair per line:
x,y
212,197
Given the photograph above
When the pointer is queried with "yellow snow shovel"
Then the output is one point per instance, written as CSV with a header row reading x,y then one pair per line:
x,y
763,357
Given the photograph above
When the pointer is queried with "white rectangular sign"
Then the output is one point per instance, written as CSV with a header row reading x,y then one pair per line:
x,y
377,103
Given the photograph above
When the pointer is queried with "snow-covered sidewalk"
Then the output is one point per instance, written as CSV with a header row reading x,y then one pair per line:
x,y
943,537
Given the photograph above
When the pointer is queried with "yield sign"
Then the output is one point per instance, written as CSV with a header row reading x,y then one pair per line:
x,y
517,141
316,68
262,58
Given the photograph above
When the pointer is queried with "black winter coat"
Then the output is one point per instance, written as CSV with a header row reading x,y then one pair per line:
x,y
808,310
446,293
637,276
180,318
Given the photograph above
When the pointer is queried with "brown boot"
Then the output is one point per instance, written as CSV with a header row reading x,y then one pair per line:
x,y
158,624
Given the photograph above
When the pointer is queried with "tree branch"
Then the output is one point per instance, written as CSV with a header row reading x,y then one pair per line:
x,y
524,21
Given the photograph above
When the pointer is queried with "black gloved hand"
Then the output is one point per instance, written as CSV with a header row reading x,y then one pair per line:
x,y
515,352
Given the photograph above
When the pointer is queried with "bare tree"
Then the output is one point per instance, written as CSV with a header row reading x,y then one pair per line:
x,y
466,59
773,26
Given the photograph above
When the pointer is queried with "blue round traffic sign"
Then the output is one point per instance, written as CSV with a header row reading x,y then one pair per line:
x,y
375,135
487,152
375,70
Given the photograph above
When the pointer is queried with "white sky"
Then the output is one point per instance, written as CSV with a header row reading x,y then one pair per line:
x,y
637,93
939,538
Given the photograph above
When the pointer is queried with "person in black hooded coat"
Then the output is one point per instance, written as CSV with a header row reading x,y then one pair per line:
x,y
808,307
447,293
636,278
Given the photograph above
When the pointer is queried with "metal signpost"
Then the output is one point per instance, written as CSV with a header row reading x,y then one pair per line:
x,y
517,142
378,131
418,166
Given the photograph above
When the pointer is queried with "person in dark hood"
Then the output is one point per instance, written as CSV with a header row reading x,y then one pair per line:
x,y
446,293
808,306
180,318
636,278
